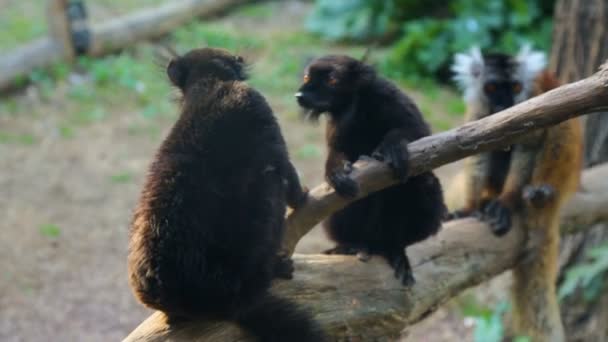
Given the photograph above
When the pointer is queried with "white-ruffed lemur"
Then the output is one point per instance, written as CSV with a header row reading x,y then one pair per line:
x,y
370,116
207,230
532,179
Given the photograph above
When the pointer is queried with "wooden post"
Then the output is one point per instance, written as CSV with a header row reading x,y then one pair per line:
x,y
59,27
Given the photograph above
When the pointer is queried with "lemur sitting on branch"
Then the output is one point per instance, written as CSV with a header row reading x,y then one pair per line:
x,y
208,227
532,179
370,116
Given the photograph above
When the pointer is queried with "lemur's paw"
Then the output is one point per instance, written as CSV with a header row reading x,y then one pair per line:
x,y
498,216
341,250
458,214
283,267
396,156
538,195
403,271
302,198
343,184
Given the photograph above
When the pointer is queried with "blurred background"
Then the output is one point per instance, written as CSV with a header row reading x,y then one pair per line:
x,y
77,134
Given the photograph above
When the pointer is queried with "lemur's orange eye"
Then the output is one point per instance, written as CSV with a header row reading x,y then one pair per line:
x,y
489,88
332,81
306,78
517,87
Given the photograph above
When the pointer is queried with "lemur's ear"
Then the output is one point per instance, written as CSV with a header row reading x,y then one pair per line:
x,y
468,68
530,62
176,73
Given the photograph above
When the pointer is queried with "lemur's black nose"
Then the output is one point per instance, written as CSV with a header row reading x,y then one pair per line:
x,y
303,99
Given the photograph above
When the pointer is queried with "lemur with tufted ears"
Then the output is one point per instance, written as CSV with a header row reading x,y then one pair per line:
x,y
208,227
531,179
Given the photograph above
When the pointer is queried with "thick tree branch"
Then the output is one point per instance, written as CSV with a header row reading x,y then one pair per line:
x,y
363,300
499,130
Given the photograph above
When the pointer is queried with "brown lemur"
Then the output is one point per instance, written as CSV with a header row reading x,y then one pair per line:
x,y
370,116
531,179
207,230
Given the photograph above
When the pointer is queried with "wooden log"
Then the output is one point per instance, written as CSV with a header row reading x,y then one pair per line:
x,y
364,302
37,54
106,37
123,32
495,131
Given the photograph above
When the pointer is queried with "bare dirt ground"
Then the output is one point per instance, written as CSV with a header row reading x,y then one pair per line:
x,y
68,282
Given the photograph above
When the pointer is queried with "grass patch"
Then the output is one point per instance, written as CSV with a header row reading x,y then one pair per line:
x,y
66,131
20,23
121,178
219,35
257,11
50,230
308,151
18,139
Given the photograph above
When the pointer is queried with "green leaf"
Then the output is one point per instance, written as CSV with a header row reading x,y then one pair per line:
x,y
589,274
491,329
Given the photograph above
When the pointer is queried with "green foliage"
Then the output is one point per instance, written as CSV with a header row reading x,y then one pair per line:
x,y
352,19
431,36
199,34
19,139
489,328
488,322
66,131
123,177
590,275
17,28
50,230
308,151
257,11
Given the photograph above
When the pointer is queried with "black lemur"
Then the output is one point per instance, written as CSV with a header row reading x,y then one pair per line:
x,y
370,116
208,226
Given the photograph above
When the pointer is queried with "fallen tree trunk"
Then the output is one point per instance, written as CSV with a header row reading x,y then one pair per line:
x,y
106,37
151,23
353,299
363,301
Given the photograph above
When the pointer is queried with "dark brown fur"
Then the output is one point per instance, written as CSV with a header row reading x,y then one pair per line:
x,y
210,220
370,116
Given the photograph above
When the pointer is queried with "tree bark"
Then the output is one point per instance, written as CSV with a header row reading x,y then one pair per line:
x,y
580,44
356,301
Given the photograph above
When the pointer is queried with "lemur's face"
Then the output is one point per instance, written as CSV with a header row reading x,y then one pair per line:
x,y
501,84
206,63
497,81
330,82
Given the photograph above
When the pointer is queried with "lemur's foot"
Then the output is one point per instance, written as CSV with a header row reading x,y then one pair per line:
x,y
538,195
342,250
458,214
283,267
403,271
363,255
498,216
